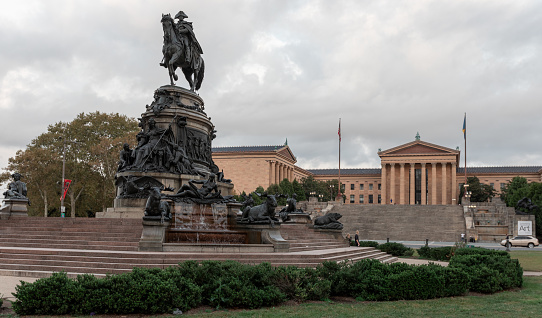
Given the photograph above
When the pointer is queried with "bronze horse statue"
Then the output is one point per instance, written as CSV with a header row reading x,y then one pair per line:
x,y
175,56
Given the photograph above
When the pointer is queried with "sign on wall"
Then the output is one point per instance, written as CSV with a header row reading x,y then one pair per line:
x,y
525,227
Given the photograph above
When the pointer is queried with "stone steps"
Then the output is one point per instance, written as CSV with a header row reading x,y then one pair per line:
x,y
38,247
403,222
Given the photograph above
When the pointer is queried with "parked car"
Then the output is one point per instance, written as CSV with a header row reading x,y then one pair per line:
x,y
524,240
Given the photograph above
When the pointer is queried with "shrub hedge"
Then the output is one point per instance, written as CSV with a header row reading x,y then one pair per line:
x,y
364,243
395,249
234,285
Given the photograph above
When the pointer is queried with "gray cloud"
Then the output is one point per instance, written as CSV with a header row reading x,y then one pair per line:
x,y
291,69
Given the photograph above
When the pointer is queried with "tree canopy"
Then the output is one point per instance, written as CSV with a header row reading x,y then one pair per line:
x,y
517,189
91,143
479,192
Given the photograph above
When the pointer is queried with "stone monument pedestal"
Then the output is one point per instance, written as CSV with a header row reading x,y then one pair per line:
x,y
13,208
298,218
265,234
153,235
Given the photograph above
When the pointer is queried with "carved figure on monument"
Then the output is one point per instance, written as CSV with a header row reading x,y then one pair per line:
x,y
219,174
16,188
291,205
181,50
152,149
263,213
527,204
328,221
248,201
126,158
137,187
179,162
156,207
208,192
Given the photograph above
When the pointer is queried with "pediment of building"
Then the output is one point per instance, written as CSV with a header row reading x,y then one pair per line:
x,y
417,148
286,153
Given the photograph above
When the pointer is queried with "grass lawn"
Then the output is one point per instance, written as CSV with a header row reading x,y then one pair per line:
x,y
529,260
526,302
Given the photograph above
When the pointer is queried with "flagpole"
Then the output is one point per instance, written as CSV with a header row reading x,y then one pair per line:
x,y
465,133
339,192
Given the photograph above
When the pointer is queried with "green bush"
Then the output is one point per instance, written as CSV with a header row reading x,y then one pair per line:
x,y
443,253
395,249
141,291
232,284
489,273
365,244
302,283
481,251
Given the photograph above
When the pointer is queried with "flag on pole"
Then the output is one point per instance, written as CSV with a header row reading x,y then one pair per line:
x,y
465,127
339,132
67,183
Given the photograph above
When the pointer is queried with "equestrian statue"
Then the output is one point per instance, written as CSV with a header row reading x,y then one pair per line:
x,y
182,50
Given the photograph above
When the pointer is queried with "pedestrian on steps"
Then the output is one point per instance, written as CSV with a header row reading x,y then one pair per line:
x,y
356,238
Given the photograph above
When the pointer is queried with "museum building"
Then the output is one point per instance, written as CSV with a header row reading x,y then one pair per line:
x,y
417,172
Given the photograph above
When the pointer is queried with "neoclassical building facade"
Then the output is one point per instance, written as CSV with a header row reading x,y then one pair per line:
x,y
417,172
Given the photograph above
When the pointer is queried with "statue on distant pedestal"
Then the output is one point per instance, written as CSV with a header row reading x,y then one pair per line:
x,y
16,188
181,50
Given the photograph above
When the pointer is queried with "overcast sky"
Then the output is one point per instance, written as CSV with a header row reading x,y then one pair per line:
x,y
291,69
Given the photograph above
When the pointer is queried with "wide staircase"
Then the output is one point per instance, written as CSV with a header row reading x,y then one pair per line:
x,y
37,247
442,223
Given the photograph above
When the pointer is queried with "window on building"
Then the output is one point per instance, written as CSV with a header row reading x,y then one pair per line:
x,y
379,199
351,198
503,185
361,186
370,186
379,186
370,198
361,199
492,184
342,186
351,186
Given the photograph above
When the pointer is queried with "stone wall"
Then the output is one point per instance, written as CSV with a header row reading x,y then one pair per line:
x,y
443,223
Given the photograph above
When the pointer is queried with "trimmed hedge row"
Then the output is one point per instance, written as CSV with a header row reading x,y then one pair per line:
x,y
235,285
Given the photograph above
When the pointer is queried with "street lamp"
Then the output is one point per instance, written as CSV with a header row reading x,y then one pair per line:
x,y
320,196
331,186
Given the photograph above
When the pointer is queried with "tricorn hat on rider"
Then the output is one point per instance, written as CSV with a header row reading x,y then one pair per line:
x,y
181,15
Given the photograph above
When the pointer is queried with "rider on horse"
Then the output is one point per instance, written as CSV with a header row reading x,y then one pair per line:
x,y
185,33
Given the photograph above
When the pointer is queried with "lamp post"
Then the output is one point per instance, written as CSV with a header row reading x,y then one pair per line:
x,y
331,186
320,196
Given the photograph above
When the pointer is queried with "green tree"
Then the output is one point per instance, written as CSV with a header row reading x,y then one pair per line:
x,y
298,189
328,189
92,144
515,190
479,192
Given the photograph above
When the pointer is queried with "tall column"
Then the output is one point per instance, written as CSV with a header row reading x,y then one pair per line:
x,y
444,188
402,184
277,172
383,185
424,185
433,183
454,186
392,184
412,184
271,172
